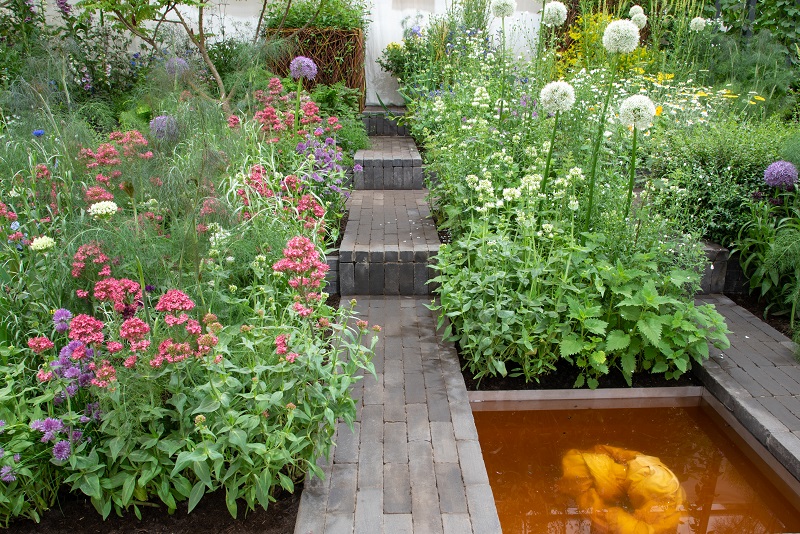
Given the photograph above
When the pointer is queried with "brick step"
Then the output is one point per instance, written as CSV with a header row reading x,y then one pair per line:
x,y
389,163
378,122
389,244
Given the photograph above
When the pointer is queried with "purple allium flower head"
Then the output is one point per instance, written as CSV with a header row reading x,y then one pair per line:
x,y
302,67
781,174
149,288
64,6
62,450
164,128
176,66
7,474
61,319
50,427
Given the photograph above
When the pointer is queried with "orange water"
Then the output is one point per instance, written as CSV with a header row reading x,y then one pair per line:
x,y
725,492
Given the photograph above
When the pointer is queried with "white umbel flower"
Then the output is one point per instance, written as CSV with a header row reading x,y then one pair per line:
x,y
637,111
621,37
42,243
555,14
697,24
557,96
635,10
640,19
103,210
503,8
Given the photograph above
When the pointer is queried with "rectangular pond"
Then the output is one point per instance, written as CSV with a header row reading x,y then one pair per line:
x,y
647,466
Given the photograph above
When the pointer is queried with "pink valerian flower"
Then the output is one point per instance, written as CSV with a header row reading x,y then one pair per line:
x,y
97,193
44,376
193,327
210,206
234,121
40,344
362,324
174,300
87,329
89,253
140,346
173,320
121,293
104,375
171,352
205,343
133,329
114,347
130,361
209,318
281,346
301,310
323,322
291,357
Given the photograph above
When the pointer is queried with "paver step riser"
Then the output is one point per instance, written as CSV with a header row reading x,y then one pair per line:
x,y
386,278
389,176
380,124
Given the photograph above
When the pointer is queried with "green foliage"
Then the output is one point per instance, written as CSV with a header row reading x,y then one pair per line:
x,y
712,170
337,100
340,14
779,17
790,151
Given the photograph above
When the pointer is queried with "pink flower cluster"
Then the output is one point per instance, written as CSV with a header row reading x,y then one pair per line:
x,y
310,211
90,252
97,193
103,375
118,292
6,213
40,344
174,300
301,257
87,329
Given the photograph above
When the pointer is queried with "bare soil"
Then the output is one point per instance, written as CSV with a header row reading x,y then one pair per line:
x,y
75,513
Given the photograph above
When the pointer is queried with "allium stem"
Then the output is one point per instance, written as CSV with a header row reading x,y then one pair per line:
x,y
503,68
297,105
633,174
546,177
596,148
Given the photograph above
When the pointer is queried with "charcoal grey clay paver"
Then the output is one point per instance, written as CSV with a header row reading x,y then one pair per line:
x,y
423,478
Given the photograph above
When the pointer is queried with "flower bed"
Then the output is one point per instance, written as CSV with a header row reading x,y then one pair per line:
x,y
165,327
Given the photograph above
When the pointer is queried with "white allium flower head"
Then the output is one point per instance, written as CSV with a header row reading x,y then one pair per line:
x,y
621,37
555,14
503,8
697,24
635,10
637,111
640,19
42,243
103,209
557,96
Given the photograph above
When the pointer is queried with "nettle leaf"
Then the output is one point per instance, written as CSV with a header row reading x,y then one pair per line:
x,y
628,365
650,326
595,326
570,345
617,340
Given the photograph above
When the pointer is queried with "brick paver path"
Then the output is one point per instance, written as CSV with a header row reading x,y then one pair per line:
x,y
413,462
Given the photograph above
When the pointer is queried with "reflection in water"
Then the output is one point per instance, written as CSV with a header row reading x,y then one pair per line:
x,y
604,479
724,492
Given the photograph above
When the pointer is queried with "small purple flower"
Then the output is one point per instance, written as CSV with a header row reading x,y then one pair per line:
x,y
164,128
302,67
357,168
17,457
7,474
38,133
50,428
61,318
69,348
148,288
782,174
2,425
176,66
2,452
75,436
64,6
416,30
62,450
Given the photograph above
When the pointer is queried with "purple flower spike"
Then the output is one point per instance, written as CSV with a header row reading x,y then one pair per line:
x,y
782,174
7,474
302,67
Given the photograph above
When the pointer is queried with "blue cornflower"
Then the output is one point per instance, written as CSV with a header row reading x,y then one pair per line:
x,y
38,133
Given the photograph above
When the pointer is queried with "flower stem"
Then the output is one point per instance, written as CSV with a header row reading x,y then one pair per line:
x,y
596,148
546,177
297,105
633,174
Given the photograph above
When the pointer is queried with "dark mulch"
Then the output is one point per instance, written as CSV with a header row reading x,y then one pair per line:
x,y
757,306
564,377
75,513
